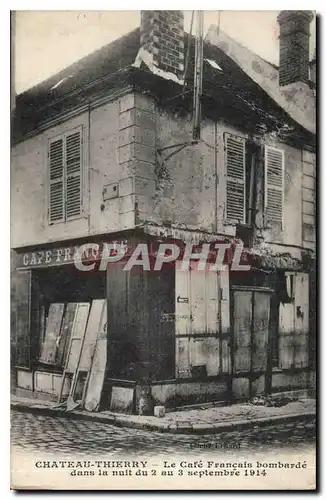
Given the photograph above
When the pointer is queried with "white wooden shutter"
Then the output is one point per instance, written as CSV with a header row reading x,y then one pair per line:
x,y
73,174
274,184
235,149
56,181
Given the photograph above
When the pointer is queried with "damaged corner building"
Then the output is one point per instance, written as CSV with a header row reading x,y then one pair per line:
x,y
166,136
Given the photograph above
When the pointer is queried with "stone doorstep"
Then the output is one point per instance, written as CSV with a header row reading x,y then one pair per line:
x,y
158,425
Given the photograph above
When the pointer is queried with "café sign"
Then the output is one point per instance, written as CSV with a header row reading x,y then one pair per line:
x,y
66,255
151,256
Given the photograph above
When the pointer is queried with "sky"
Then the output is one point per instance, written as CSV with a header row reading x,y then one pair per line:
x,y
48,41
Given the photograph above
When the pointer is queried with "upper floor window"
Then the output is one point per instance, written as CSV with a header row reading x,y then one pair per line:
x,y
65,176
242,159
274,185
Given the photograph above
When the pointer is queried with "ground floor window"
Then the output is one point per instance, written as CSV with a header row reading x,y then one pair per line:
x,y
56,298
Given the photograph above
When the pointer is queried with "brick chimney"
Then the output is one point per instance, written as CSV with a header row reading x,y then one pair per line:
x,y
294,46
162,35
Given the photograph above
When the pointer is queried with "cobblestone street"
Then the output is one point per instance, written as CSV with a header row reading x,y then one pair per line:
x,y
48,434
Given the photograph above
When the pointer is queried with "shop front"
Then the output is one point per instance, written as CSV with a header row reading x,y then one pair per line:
x,y
129,332
166,329
58,313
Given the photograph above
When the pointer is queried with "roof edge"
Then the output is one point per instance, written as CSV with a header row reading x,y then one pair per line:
x,y
297,100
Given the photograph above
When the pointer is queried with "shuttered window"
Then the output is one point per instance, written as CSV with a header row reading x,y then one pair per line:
x,y
56,180
65,176
235,150
274,184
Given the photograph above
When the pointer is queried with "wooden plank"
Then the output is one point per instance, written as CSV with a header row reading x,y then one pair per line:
x,y
43,382
141,330
301,319
25,379
160,325
22,317
98,366
286,350
286,332
226,356
225,320
212,353
37,317
258,386
59,387
301,300
301,353
260,331
65,334
286,319
182,361
198,301
52,334
77,336
41,324
95,320
242,317
74,352
122,399
182,301
205,351
212,303
225,300
197,352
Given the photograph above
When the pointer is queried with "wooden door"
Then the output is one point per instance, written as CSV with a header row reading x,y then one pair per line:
x,y
261,313
294,325
250,324
201,321
242,324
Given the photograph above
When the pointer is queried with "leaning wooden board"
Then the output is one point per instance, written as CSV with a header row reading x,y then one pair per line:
x,y
77,336
66,328
93,328
52,334
98,367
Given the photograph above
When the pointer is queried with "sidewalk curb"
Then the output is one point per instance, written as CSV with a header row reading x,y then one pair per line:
x,y
164,427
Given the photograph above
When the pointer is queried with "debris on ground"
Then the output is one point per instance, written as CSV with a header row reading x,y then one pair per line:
x,y
275,401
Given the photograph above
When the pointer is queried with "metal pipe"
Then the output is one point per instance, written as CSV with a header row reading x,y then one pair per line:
x,y
198,75
188,52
